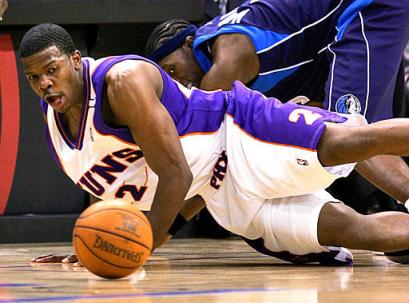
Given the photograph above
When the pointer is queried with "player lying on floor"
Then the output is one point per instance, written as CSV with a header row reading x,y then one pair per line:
x,y
120,127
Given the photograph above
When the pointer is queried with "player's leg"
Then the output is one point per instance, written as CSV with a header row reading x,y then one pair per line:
x,y
340,144
364,62
365,59
340,225
286,228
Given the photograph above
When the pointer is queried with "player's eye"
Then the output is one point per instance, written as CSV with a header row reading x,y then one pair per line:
x,y
32,77
171,69
51,70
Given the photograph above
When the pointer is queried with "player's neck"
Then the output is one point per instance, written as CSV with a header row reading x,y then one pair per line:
x,y
71,118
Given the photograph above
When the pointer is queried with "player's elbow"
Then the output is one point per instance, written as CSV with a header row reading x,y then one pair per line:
x,y
179,175
187,177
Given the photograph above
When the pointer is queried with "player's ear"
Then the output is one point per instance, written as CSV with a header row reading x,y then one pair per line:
x,y
189,41
76,59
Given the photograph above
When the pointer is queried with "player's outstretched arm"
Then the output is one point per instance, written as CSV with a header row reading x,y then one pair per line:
x,y
340,144
189,209
234,58
133,90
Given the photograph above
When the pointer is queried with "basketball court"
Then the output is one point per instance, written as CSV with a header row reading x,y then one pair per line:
x,y
201,271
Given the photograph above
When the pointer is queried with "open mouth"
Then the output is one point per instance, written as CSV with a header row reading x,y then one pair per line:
x,y
53,98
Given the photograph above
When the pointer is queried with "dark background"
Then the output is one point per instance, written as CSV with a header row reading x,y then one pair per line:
x,y
43,203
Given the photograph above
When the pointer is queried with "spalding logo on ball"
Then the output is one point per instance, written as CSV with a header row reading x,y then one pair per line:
x,y
112,238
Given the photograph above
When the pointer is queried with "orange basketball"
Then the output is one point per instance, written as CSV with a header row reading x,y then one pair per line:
x,y
112,238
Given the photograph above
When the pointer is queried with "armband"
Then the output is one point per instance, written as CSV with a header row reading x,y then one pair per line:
x,y
177,225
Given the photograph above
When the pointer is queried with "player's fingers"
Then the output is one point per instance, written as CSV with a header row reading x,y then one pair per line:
x,y
70,259
40,257
77,264
299,100
50,259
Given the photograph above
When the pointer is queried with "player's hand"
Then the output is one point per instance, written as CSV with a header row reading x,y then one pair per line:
x,y
300,100
51,258
303,100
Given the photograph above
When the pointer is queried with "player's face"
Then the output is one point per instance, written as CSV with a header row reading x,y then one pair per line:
x,y
182,66
55,77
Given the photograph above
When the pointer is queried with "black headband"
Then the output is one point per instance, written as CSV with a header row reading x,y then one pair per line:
x,y
172,44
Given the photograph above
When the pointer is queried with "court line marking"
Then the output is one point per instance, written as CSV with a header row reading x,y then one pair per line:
x,y
148,294
19,284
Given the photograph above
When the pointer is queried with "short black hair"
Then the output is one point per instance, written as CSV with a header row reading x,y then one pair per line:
x,y
163,33
43,36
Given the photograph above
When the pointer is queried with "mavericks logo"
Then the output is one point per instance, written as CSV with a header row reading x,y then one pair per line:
x,y
348,104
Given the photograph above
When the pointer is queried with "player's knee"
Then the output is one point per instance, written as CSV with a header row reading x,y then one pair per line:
x,y
331,148
354,120
337,225
343,143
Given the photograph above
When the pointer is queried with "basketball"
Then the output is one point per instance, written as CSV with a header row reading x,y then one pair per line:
x,y
112,239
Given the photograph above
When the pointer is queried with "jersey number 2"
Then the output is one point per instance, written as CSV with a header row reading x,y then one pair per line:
x,y
309,116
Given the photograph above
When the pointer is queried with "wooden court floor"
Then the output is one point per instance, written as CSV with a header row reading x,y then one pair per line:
x,y
202,271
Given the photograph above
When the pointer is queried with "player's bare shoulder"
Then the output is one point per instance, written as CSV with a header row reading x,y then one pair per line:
x,y
130,87
134,74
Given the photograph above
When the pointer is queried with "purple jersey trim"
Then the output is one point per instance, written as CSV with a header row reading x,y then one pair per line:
x,y
98,80
203,112
87,95
44,106
50,145
77,142
268,119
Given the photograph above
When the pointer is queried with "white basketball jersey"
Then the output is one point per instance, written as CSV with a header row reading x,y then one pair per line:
x,y
108,164
242,148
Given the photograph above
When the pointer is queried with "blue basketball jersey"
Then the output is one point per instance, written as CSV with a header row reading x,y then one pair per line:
x,y
287,35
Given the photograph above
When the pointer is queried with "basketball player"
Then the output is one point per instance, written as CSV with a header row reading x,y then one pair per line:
x,y
120,127
344,52
276,47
